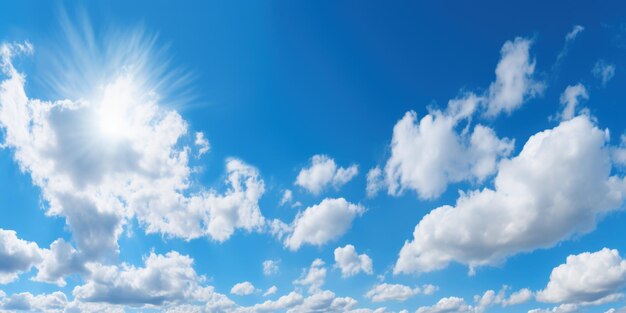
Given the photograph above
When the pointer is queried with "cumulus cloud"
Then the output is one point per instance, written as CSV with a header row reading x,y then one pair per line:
x,y
322,223
518,297
449,304
286,198
283,303
243,289
164,279
530,207
114,152
570,98
60,260
25,301
313,277
350,263
603,71
514,78
270,267
323,172
428,154
324,301
16,256
391,292
586,277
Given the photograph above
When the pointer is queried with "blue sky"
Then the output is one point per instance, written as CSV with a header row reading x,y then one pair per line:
x,y
377,157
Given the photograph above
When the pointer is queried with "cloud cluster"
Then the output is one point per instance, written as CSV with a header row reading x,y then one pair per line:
x,y
442,148
586,277
556,187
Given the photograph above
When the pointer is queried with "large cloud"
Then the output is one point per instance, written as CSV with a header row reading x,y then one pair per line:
x,y
586,277
117,154
556,187
16,256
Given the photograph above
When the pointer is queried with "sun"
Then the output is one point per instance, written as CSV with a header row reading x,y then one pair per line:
x,y
116,109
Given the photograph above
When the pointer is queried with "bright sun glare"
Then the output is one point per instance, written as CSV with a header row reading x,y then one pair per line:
x,y
115,109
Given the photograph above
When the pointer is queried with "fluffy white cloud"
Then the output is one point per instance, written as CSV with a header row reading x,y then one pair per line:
x,y
531,207
164,279
321,223
570,98
243,289
324,301
270,291
283,303
586,277
350,263
60,260
116,154
518,297
25,301
395,292
323,172
16,256
428,154
603,71
270,267
313,277
447,305
618,154
514,78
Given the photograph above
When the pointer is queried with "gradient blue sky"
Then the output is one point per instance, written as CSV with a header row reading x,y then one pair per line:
x,y
275,83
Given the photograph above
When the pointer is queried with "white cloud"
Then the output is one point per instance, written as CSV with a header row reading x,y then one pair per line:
x,y
58,261
16,256
576,30
514,78
270,291
518,297
202,144
164,279
116,154
25,301
323,172
313,277
586,277
375,181
529,208
324,301
270,267
429,154
350,263
447,305
286,198
391,292
618,154
603,71
243,289
570,99
283,303
321,223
